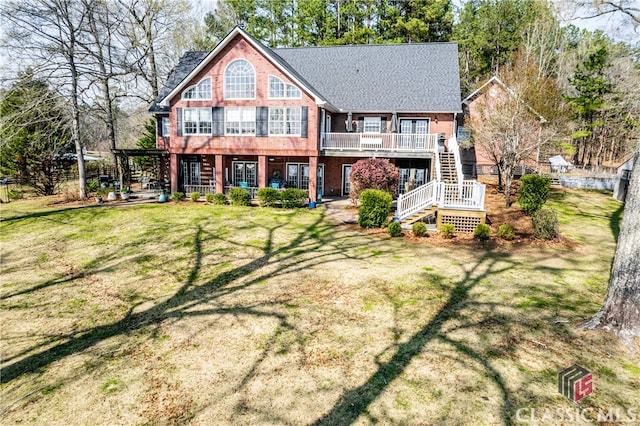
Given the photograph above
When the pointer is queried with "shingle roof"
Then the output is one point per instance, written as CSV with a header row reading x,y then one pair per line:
x,y
362,78
187,63
392,77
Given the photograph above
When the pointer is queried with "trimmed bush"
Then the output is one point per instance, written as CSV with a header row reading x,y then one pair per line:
x,y
375,206
506,232
178,196
239,197
482,232
219,199
419,229
545,224
268,197
195,196
448,230
15,194
534,192
209,198
373,173
395,229
293,197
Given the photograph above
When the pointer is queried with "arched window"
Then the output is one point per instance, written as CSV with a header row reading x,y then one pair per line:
x,y
279,90
200,91
239,80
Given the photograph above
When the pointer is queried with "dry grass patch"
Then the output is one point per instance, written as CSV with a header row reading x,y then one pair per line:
x,y
199,314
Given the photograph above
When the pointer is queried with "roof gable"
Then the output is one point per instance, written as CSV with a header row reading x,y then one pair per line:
x,y
421,77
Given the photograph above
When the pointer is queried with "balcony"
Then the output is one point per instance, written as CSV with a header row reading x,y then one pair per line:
x,y
380,142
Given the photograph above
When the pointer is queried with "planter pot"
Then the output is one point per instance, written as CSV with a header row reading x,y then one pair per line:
x,y
111,196
125,196
162,198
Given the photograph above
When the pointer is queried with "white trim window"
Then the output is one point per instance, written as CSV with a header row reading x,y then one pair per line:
x,y
239,80
372,125
197,121
285,121
166,127
199,92
239,121
278,89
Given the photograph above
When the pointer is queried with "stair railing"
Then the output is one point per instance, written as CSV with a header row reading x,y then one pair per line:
x,y
416,200
455,149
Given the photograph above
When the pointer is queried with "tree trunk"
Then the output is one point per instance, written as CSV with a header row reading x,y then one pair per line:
x,y
620,311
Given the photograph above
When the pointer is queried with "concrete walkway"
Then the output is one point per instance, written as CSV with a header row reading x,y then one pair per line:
x,y
338,208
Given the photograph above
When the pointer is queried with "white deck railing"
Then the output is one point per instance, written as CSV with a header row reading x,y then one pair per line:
x,y
468,196
380,142
452,146
202,189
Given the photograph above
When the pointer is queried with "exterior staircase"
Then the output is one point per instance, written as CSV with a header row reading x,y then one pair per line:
x,y
448,171
448,194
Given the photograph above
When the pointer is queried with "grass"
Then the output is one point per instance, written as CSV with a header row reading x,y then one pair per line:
x,y
191,313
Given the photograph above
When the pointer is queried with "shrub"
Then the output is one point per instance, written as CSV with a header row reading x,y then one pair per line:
x,y
15,194
545,224
375,206
178,196
92,185
239,197
268,197
506,232
448,230
373,173
293,197
219,199
482,232
419,229
534,192
195,196
395,229
209,198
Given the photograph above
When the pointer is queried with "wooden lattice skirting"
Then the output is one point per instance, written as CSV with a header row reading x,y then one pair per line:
x,y
464,220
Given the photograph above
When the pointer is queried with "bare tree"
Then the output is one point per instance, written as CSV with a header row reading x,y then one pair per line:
x,y
49,34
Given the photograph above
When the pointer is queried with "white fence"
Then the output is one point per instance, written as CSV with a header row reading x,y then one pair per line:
x,y
202,189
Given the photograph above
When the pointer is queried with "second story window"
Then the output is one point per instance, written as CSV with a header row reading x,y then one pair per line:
x,y
285,121
240,121
200,91
166,130
197,121
280,90
239,80
372,125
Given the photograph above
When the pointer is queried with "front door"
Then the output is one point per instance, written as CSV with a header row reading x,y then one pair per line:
x,y
346,179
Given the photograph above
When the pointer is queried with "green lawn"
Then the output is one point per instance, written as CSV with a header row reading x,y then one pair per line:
x,y
190,313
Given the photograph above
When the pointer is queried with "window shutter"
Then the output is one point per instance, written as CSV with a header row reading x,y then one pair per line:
x,y
360,124
383,125
159,125
262,121
304,123
179,121
217,127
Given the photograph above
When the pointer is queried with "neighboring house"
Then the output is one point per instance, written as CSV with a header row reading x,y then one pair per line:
x,y
475,160
250,116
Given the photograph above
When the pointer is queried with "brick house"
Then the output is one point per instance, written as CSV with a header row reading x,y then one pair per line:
x,y
250,116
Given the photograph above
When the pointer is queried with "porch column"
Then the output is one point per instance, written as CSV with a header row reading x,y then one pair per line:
x,y
219,174
173,167
262,171
313,179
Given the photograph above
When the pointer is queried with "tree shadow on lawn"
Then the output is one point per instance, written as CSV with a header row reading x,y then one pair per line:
x,y
355,402
314,245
